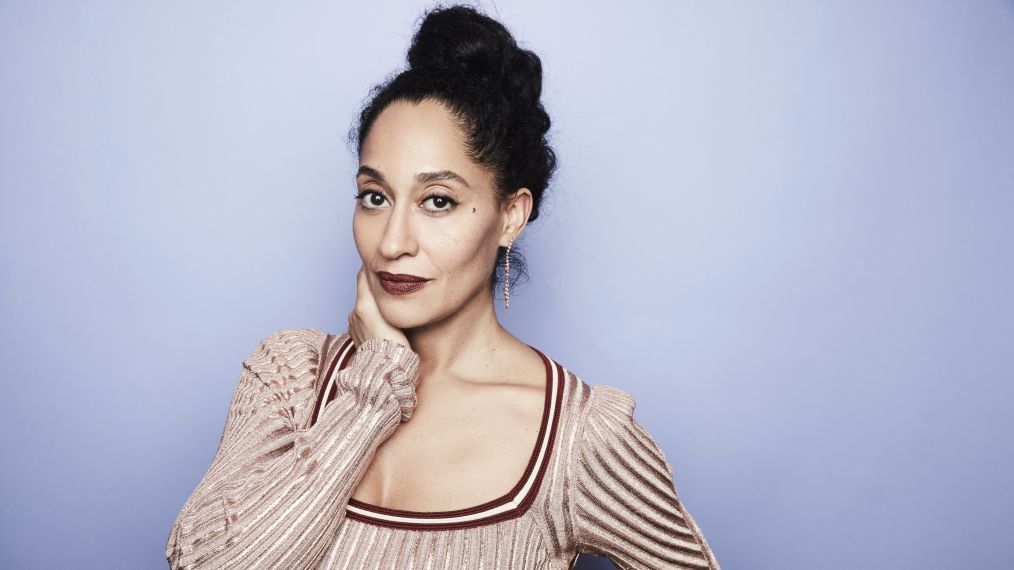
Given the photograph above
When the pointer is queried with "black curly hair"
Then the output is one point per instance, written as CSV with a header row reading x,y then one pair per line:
x,y
472,64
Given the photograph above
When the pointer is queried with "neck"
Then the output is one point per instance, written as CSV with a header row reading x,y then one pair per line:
x,y
467,340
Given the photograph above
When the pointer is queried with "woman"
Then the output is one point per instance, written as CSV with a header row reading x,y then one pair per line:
x,y
428,435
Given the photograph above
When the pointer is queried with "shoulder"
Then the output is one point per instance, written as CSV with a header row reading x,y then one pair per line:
x,y
286,354
286,343
609,415
610,400
598,409
598,402
609,429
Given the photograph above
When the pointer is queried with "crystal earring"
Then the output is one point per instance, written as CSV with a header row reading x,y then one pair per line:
x,y
507,281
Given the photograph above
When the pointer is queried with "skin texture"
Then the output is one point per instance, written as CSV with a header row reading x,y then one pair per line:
x,y
480,392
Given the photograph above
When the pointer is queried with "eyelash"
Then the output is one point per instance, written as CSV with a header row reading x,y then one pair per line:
x,y
453,203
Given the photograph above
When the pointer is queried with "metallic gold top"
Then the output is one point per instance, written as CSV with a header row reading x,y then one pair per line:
x,y
277,493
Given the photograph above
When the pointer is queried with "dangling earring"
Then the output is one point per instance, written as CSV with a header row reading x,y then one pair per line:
x,y
507,281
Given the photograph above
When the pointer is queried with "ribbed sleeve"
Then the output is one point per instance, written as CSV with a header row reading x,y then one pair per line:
x,y
625,504
275,495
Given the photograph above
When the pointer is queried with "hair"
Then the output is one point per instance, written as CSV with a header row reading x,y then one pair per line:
x,y
472,64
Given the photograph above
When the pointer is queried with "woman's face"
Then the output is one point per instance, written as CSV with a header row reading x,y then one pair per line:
x,y
426,209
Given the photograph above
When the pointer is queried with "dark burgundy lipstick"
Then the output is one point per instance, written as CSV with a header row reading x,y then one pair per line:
x,y
400,283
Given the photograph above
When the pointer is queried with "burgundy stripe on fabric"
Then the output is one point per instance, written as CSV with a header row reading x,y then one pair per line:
x,y
543,445
324,351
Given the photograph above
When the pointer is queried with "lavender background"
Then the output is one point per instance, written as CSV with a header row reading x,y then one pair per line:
x,y
785,227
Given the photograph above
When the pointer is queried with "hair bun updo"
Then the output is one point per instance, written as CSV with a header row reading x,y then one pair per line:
x,y
459,40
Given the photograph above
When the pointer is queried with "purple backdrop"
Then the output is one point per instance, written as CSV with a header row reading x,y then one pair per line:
x,y
797,216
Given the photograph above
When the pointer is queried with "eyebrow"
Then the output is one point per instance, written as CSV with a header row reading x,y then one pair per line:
x,y
372,172
426,177
422,177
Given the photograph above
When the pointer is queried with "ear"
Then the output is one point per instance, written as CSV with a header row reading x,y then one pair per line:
x,y
515,215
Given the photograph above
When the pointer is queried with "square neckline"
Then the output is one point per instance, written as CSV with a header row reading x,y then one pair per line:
x,y
510,504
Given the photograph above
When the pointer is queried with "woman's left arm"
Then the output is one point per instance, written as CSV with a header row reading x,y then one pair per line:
x,y
624,504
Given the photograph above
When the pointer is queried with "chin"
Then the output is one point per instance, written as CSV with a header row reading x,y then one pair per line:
x,y
402,314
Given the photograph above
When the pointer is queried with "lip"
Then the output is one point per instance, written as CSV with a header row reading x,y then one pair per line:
x,y
400,283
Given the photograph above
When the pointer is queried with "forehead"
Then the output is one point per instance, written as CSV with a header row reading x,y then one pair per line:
x,y
407,138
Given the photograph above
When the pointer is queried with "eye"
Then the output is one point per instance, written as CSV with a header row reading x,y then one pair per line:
x,y
375,200
442,202
365,193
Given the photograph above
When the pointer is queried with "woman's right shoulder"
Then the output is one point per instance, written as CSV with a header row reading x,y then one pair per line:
x,y
291,353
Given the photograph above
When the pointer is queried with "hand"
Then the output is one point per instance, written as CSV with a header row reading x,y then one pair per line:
x,y
365,320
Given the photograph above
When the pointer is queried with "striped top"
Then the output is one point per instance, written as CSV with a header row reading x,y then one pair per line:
x,y
306,417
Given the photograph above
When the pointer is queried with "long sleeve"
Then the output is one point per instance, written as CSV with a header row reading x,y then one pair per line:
x,y
624,503
276,494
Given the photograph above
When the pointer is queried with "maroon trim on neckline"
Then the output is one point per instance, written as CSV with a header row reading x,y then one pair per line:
x,y
547,424
324,350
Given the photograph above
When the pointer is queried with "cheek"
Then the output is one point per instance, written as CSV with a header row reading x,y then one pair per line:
x,y
366,236
460,254
358,236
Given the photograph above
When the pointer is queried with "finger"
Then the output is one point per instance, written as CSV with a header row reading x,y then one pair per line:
x,y
360,288
364,291
354,330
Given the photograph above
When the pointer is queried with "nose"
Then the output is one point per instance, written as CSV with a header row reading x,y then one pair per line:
x,y
399,234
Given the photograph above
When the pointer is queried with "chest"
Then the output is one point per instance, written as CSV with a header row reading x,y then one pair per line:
x,y
461,448
469,443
